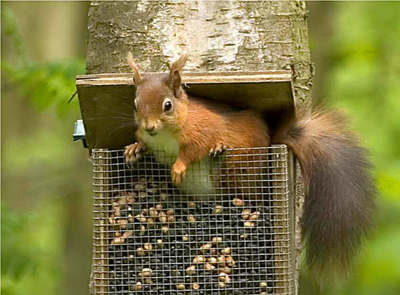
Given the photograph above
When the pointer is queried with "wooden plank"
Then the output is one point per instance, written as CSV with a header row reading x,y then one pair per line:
x,y
106,100
192,78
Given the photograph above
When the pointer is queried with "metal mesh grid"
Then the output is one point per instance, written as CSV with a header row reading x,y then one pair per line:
x,y
151,238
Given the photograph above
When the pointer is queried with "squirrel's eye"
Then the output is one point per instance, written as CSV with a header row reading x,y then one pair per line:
x,y
167,105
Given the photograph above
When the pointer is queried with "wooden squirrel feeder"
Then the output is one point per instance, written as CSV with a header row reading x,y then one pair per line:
x,y
106,102
107,108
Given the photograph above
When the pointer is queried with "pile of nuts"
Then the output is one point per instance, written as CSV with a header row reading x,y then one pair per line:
x,y
160,243
123,203
212,260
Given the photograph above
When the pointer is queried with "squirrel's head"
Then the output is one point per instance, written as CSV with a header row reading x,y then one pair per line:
x,y
160,99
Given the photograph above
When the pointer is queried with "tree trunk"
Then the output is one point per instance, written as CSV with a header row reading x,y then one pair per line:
x,y
321,19
218,35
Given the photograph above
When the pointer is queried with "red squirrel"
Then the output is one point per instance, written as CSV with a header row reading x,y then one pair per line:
x,y
340,192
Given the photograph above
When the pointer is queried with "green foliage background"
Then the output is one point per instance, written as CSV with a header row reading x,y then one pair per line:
x,y
45,177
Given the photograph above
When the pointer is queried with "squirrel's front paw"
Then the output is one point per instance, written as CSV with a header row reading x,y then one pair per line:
x,y
133,152
178,172
218,149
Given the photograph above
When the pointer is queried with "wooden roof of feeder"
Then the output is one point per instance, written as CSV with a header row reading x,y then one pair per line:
x,y
106,100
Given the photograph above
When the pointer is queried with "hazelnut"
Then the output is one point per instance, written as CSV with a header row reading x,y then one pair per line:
x,y
237,202
226,251
223,277
195,286
192,205
229,261
140,217
138,286
198,259
153,212
221,260
180,286
122,223
162,217
171,218
118,241
160,243
191,219
226,269
148,247
191,270
146,272
246,214
249,224
127,234
111,220
217,209
209,267
254,215
204,248
263,284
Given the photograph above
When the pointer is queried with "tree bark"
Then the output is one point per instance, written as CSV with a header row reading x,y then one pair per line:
x,y
218,35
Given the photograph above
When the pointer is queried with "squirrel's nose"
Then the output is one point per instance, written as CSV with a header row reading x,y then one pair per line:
x,y
150,129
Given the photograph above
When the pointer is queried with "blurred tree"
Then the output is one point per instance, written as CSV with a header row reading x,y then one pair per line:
x,y
46,224
363,78
321,21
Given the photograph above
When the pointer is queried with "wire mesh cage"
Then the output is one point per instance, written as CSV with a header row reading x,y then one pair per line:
x,y
233,238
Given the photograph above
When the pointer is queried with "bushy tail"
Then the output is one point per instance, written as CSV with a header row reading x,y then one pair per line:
x,y
340,191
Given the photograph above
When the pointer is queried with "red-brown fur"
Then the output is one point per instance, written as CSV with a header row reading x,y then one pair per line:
x,y
340,191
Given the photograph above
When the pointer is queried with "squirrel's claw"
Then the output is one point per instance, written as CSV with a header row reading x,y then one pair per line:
x,y
133,152
217,150
178,172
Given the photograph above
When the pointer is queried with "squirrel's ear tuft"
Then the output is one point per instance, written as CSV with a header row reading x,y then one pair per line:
x,y
136,74
174,80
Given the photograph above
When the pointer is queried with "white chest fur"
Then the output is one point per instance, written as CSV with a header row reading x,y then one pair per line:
x,y
163,145
166,149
